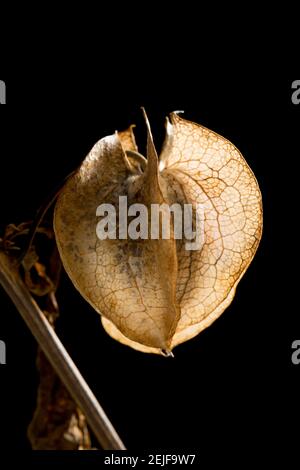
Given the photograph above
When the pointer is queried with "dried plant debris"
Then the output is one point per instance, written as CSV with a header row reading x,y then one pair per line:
x,y
57,423
154,293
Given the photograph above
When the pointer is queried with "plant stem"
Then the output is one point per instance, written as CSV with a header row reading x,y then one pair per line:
x,y
57,355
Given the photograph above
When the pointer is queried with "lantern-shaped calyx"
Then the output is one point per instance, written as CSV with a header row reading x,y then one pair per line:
x,y
158,245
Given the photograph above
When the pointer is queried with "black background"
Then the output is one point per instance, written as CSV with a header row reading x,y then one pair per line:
x,y
234,385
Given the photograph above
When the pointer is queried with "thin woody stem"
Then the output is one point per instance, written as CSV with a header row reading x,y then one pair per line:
x,y
57,355
40,215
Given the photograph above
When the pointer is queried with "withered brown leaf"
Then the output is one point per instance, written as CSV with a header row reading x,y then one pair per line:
x,y
154,294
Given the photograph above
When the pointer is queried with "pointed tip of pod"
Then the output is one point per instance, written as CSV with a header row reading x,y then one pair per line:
x,y
151,173
166,353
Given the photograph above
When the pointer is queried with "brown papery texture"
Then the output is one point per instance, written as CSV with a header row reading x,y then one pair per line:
x,y
155,294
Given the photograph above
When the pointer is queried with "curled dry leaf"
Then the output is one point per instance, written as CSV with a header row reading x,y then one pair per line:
x,y
154,294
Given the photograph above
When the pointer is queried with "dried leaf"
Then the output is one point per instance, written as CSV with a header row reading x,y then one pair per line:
x,y
57,424
154,294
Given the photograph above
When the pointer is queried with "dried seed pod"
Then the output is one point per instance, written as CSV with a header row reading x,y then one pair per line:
x,y
154,294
